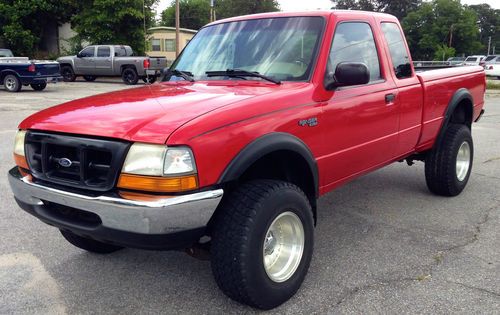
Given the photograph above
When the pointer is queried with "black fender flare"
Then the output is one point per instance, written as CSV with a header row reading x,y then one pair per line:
x,y
456,99
264,145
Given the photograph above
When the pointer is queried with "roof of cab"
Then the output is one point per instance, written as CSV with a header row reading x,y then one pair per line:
x,y
323,13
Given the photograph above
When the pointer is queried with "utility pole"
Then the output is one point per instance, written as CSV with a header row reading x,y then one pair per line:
x,y
489,44
212,10
177,28
451,35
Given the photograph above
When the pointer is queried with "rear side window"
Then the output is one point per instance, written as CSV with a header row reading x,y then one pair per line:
x,y
397,50
354,42
120,51
103,51
88,52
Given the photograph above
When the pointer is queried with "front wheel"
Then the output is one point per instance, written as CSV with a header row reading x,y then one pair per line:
x,y
262,243
39,86
68,74
130,76
89,244
449,164
12,83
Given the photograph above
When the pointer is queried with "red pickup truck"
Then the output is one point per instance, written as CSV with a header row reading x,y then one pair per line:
x,y
258,117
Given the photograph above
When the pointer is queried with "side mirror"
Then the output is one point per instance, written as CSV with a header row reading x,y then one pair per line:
x,y
346,74
79,55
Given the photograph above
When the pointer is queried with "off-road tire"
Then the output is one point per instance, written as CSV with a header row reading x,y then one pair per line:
x,y
38,86
130,76
440,163
68,74
12,83
89,244
89,78
238,232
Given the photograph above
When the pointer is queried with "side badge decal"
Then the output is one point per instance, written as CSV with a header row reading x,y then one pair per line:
x,y
311,122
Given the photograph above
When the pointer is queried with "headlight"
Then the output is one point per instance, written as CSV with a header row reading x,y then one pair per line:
x,y
158,160
179,161
158,168
19,142
19,156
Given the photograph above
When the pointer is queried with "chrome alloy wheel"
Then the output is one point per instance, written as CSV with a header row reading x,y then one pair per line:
x,y
10,83
463,161
283,246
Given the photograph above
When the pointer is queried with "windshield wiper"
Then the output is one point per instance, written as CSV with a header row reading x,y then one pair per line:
x,y
186,75
240,73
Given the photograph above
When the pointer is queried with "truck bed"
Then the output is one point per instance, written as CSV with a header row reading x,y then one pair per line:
x,y
439,85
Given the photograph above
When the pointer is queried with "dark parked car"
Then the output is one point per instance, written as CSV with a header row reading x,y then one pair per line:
x,y
18,71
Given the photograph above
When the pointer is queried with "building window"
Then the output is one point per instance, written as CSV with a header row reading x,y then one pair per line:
x,y
170,44
155,45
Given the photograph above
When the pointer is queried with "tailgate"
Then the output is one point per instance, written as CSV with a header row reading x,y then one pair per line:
x,y
48,69
157,63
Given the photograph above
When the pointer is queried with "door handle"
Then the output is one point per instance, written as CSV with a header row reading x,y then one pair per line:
x,y
389,98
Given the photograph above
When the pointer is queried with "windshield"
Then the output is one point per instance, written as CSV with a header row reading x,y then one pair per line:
x,y
281,48
489,58
6,53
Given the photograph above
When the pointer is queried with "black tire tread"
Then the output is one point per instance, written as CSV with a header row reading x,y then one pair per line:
x,y
234,223
440,162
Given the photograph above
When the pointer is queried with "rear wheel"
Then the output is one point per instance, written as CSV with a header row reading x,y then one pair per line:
x,y
449,164
149,79
68,74
89,78
262,243
130,76
89,244
12,83
39,86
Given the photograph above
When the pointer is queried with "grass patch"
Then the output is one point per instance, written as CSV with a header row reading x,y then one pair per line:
x,y
492,86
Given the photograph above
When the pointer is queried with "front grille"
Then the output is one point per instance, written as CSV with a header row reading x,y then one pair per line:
x,y
74,161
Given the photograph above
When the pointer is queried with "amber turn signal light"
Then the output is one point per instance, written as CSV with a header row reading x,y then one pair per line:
x,y
21,161
158,184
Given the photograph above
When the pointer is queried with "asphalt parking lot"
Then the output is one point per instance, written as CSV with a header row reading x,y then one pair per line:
x,y
384,244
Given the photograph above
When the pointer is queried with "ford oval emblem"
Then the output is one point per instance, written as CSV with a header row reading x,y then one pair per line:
x,y
64,162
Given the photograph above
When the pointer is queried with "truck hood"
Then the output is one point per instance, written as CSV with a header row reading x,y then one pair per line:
x,y
147,114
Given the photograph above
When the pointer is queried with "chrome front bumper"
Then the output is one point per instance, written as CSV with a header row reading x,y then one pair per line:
x,y
163,216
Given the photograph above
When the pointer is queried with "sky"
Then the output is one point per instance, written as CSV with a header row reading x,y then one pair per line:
x,y
300,5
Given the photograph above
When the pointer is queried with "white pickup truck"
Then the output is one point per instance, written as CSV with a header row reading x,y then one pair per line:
x,y
111,60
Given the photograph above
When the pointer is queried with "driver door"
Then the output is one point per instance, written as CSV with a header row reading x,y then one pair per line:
x,y
85,61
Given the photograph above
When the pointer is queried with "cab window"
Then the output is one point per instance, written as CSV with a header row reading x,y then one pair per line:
x,y
103,51
354,42
397,50
88,52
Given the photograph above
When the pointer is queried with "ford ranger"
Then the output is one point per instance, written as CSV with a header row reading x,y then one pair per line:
x,y
111,60
258,117
18,71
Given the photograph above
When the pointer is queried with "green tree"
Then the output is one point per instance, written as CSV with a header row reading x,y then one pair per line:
x,y
441,22
114,22
443,52
193,14
24,23
397,8
489,24
229,8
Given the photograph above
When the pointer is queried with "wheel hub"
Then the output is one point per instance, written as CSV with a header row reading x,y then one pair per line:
x,y
283,247
10,84
463,161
